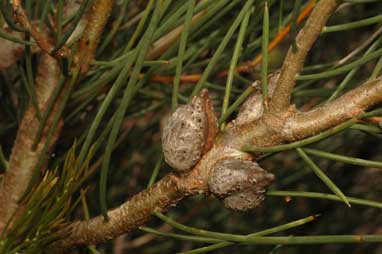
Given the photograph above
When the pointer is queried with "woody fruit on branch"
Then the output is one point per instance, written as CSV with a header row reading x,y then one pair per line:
x,y
279,123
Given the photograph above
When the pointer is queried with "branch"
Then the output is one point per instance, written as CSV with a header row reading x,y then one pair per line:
x,y
24,158
294,60
42,40
125,218
302,125
98,16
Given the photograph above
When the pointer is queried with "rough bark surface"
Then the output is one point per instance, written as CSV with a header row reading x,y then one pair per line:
x,y
136,211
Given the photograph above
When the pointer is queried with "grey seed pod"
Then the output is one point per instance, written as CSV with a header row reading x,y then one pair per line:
x,y
240,183
184,135
244,201
253,108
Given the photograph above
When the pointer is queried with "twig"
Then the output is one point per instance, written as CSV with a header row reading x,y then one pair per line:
x,y
144,239
309,123
42,40
265,132
125,218
96,22
294,60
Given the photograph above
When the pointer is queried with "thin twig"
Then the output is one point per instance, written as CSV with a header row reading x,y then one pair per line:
x,y
25,157
144,239
294,60
124,218
100,12
42,39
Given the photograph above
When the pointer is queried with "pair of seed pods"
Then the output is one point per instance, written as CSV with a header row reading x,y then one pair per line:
x,y
239,183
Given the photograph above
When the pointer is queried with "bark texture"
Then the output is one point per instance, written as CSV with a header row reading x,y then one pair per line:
x,y
294,60
24,158
136,211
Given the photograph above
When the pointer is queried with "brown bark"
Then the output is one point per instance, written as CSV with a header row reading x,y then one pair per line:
x,y
41,38
294,60
125,218
24,158
302,125
98,16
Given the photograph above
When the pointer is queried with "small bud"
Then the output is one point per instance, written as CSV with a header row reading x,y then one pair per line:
x,y
240,183
253,108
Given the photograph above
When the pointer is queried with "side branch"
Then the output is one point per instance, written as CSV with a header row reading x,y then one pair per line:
x,y
294,60
96,22
21,17
310,123
130,215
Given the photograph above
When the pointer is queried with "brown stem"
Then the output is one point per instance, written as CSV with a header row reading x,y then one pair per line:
x,y
24,158
125,218
98,16
294,60
352,103
21,17
144,239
